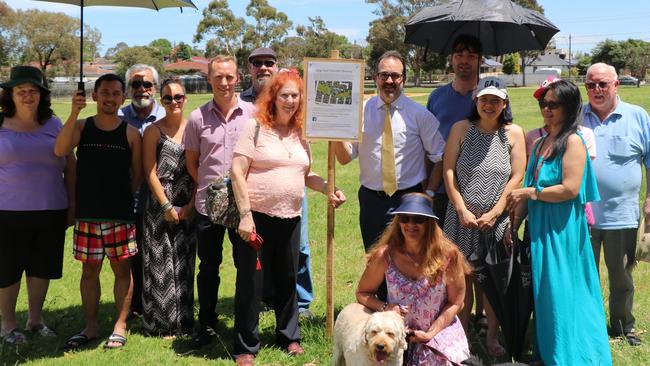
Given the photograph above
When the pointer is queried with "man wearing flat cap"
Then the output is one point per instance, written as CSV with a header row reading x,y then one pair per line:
x,y
262,64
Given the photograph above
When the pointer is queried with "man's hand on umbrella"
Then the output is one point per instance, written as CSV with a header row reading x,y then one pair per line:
x,y
78,102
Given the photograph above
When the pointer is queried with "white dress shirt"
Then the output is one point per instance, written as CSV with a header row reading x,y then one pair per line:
x,y
415,134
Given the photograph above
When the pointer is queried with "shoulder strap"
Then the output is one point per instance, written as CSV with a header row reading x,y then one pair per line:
x,y
257,132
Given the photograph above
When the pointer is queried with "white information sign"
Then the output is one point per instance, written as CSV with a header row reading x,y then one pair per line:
x,y
334,106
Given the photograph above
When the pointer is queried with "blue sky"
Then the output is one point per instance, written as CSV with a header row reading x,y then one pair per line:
x,y
587,21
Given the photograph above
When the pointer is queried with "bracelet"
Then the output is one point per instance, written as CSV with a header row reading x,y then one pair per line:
x,y
166,206
383,306
324,189
245,211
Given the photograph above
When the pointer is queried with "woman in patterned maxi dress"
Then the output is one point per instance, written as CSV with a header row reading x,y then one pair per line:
x,y
425,274
169,245
484,160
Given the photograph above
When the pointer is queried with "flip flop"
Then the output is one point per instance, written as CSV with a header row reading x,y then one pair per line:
x,y
42,330
115,338
77,341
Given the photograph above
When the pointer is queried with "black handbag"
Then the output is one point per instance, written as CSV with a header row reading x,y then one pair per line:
x,y
220,201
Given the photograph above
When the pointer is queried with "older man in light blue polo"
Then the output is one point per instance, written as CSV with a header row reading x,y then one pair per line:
x,y
622,132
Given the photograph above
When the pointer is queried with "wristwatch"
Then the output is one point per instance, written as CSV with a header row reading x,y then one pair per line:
x,y
430,193
534,195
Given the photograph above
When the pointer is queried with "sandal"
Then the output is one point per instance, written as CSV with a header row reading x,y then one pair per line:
x,y
77,341
14,337
115,338
42,330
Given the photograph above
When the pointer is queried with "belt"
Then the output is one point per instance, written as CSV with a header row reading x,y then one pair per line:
x,y
415,188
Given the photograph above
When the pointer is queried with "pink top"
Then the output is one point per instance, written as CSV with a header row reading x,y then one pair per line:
x,y
208,133
587,134
276,176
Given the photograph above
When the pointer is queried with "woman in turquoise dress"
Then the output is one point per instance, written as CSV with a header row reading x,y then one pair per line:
x,y
570,326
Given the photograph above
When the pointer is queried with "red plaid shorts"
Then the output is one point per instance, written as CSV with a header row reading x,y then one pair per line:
x,y
94,240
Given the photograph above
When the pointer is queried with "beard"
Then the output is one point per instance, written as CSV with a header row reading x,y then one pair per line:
x,y
142,101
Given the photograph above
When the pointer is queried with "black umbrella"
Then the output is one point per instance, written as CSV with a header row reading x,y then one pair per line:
x,y
149,4
501,25
520,294
494,274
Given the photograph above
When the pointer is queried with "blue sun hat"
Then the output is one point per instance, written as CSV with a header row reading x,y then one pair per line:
x,y
415,204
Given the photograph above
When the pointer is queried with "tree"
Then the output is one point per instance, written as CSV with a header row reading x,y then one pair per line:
x,y
583,61
227,29
9,38
632,54
113,51
182,51
130,56
162,46
92,42
270,27
387,33
318,40
511,64
49,37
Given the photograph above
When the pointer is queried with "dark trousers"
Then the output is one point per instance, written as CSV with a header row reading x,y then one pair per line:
x,y
374,217
210,247
620,256
136,265
279,255
440,203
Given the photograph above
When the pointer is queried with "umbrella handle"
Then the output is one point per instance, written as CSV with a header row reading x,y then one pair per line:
x,y
81,87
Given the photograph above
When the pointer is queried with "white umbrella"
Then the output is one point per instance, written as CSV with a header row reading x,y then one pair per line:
x,y
149,4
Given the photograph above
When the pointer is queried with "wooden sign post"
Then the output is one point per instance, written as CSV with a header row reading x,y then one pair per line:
x,y
334,95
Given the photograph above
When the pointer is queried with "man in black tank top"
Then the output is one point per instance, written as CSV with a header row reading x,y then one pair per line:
x,y
109,170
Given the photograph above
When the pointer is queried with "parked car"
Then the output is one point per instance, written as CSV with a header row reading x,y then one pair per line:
x,y
628,80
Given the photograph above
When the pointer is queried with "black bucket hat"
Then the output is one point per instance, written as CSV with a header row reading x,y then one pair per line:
x,y
415,204
25,74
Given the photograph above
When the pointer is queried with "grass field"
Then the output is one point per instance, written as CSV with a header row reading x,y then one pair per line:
x,y
63,305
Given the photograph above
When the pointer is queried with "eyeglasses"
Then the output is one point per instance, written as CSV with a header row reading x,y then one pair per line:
x,y
393,75
259,63
601,84
178,98
416,219
550,105
136,84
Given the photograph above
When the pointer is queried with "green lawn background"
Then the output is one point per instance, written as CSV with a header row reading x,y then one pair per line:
x,y
63,304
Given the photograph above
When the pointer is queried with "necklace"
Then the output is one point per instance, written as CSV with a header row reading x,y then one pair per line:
x,y
416,263
285,148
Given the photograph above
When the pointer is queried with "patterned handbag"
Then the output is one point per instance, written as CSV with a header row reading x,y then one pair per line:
x,y
220,199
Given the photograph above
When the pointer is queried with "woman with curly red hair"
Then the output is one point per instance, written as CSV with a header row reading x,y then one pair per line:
x,y
270,169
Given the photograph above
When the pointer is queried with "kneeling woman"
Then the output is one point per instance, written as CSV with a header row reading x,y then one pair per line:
x,y
270,169
425,274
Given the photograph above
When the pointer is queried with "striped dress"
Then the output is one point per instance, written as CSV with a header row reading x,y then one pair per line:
x,y
168,250
482,171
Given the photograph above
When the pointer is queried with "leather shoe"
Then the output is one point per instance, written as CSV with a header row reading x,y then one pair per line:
x,y
632,338
294,349
245,360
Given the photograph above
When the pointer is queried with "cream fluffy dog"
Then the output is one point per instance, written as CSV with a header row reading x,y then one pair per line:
x,y
364,338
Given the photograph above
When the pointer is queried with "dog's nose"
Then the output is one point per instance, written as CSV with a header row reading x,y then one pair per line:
x,y
380,347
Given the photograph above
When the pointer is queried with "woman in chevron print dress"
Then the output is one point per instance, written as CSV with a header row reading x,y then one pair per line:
x,y
484,160
168,245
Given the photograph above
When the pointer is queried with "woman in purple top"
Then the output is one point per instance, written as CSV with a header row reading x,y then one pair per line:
x,y
34,202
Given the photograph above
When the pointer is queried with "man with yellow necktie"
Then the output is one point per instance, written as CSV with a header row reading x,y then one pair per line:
x,y
398,134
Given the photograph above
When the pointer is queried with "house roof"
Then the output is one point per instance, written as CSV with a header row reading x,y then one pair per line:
x,y
189,65
550,60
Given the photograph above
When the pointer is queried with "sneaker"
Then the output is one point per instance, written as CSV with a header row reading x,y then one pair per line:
x,y
632,338
41,329
305,314
13,337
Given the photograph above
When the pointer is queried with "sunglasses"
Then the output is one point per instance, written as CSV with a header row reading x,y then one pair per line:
x,y
550,105
416,219
267,63
393,75
178,98
601,84
136,84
